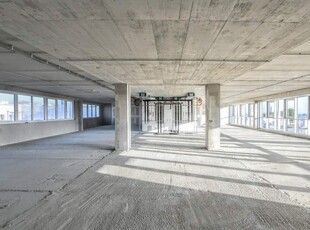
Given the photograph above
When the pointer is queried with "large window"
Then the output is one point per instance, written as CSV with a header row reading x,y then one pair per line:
x,y
38,108
6,107
91,111
24,108
286,115
33,108
60,109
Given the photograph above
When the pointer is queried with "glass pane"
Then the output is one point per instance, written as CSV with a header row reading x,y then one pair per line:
x,y
60,109
24,108
281,109
51,109
89,111
302,107
6,107
93,108
38,108
271,109
70,110
290,108
263,108
97,111
251,112
84,110
302,115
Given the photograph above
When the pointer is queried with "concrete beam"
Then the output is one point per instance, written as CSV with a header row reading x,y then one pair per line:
x,y
213,116
122,117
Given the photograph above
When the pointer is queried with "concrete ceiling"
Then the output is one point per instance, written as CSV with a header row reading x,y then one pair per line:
x,y
171,47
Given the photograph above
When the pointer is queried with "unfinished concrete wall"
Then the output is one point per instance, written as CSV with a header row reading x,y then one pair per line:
x,y
19,132
92,122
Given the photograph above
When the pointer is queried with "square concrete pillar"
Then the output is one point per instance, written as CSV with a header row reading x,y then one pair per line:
x,y
122,117
213,116
78,115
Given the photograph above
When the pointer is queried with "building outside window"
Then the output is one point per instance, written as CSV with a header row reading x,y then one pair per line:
x,y
6,107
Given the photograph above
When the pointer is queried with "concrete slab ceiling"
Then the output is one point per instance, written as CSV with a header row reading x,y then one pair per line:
x,y
167,48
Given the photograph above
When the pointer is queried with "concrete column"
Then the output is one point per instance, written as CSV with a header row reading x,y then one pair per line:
x,y
213,116
122,117
78,114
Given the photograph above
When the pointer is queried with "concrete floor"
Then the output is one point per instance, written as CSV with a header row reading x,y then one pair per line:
x,y
256,181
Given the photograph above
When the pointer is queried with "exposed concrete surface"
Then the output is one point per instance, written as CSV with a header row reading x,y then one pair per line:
x,y
122,117
33,170
213,116
256,181
12,133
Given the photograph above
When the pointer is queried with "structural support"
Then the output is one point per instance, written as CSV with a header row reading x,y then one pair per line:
x,y
122,117
78,111
213,116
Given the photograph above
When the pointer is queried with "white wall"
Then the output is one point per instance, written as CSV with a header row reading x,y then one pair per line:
x,y
19,132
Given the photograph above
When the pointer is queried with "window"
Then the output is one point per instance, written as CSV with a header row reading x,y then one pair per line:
x,y
251,112
85,111
6,107
302,108
24,108
34,108
69,110
286,115
89,111
290,108
38,108
60,109
263,109
281,109
93,109
51,109
302,115
271,109
97,111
